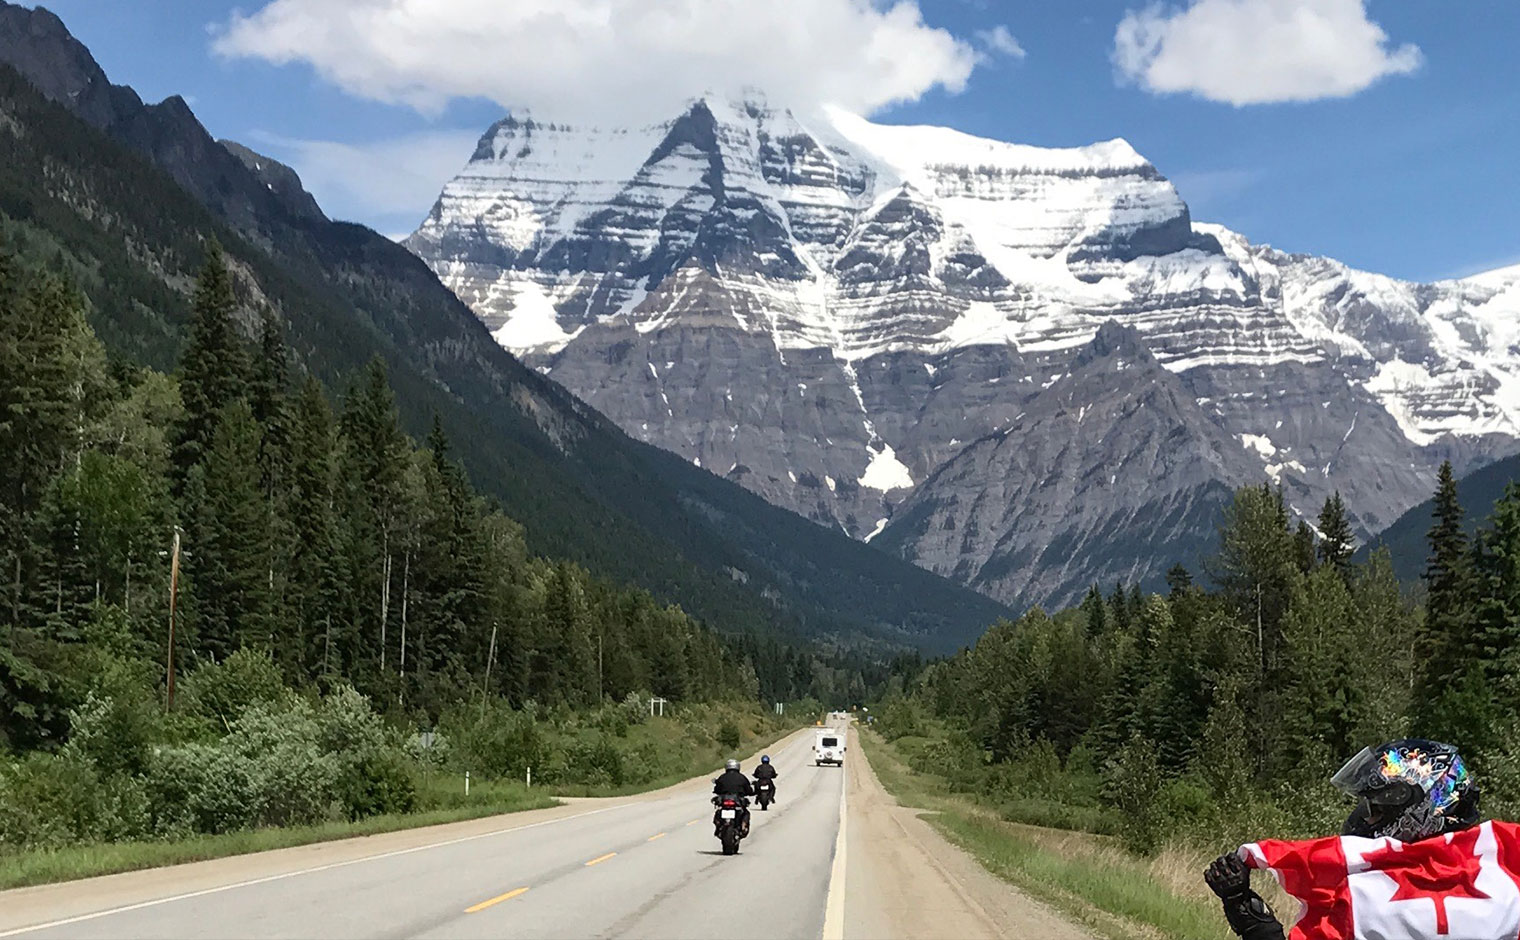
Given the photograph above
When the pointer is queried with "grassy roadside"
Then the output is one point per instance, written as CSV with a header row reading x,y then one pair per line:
x,y
85,861
441,793
1090,878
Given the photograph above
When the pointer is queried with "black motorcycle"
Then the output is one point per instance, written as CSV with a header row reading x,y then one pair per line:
x,y
765,792
730,821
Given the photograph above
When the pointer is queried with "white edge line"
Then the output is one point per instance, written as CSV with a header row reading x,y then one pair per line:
x,y
304,871
833,913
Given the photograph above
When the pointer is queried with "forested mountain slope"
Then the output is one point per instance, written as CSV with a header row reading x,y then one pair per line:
x,y
1405,539
121,196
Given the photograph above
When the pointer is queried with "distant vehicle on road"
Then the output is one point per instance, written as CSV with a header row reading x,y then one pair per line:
x,y
828,747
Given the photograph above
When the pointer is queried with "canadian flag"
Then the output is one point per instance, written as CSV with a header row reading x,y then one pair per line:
x,y
1460,886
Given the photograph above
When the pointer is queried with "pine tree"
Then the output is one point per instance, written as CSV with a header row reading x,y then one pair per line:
x,y
267,389
1178,580
213,369
1492,638
53,388
1303,548
1451,678
374,460
1095,612
1119,606
1446,575
1336,543
228,539
1256,567
311,551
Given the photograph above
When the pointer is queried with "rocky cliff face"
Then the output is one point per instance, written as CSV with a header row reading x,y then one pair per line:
x,y
905,333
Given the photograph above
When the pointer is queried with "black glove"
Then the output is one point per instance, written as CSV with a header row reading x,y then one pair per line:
x,y
1248,915
1228,877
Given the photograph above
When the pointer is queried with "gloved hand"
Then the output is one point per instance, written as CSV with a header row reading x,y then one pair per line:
x,y
1228,877
1247,913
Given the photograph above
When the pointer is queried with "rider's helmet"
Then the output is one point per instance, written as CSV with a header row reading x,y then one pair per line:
x,y
765,758
731,764
1408,790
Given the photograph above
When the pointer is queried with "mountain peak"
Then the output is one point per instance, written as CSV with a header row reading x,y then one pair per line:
x,y
277,177
1115,340
37,44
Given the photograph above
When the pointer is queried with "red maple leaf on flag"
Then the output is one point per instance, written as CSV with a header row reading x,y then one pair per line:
x,y
1449,871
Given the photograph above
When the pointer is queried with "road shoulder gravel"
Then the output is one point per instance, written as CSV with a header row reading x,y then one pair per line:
x,y
905,880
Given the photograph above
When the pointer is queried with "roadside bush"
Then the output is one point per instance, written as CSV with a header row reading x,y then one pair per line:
x,y
376,783
116,737
594,761
199,788
729,736
899,718
292,775
1132,784
49,801
223,691
505,743
278,767
434,756
346,722
634,708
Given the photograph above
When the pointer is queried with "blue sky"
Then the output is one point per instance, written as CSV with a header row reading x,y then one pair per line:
x,y
1413,173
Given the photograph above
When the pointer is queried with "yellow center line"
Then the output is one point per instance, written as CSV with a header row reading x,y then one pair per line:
x,y
658,835
599,859
496,900
695,821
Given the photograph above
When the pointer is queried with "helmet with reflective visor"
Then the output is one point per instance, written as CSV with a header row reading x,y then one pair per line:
x,y
1408,789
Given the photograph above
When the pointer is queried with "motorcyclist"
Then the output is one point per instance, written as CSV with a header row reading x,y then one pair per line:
x,y
1410,789
766,772
733,782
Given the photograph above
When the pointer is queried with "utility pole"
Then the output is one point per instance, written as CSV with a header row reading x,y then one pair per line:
x,y
173,595
490,656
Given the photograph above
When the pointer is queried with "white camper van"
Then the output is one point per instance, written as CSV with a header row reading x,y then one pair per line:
x,y
828,747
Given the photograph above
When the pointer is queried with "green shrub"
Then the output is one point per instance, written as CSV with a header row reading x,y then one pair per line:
x,y
115,736
1131,786
346,722
291,774
505,743
634,708
436,755
728,735
199,788
377,783
594,761
49,801
223,691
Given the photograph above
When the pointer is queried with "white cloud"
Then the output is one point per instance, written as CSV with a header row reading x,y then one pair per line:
x,y
623,60
387,181
1257,51
998,39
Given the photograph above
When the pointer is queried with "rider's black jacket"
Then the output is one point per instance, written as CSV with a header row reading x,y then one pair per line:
x,y
765,772
733,783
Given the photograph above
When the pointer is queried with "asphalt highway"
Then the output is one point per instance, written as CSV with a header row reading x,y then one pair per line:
x,y
632,868
836,857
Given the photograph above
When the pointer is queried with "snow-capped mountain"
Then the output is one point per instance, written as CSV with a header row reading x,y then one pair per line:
x,y
899,331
